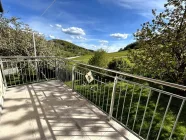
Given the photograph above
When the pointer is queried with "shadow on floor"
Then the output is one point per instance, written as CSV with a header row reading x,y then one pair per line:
x,y
60,114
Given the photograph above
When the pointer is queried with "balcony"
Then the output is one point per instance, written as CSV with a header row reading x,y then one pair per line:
x,y
54,98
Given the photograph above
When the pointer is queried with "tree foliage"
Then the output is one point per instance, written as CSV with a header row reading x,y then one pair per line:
x,y
16,39
162,44
99,59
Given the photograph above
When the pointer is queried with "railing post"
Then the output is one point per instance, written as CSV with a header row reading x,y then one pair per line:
x,y
56,68
36,65
73,76
112,98
4,78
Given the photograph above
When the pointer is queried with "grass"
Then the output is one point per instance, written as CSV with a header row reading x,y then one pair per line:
x,y
100,94
110,56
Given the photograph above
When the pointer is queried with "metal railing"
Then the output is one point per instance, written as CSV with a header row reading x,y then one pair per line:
x,y
24,70
148,108
2,89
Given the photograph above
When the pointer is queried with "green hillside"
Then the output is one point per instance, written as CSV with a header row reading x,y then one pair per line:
x,y
134,45
68,49
110,56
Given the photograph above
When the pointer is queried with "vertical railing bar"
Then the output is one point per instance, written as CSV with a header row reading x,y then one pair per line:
x,y
97,91
84,91
37,73
33,74
137,107
123,107
9,74
17,70
86,94
157,102
3,74
13,73
77,76
45,65
83,86
94,90
118,101
66,73
75,86
40,69
108,96
36,69
162,123
73,69
43,70
80,83
90,92
145,111
21,74
113,98
50,69
47,71
89,95
100,92
130,105
56,69
178,115
25,72
29,71
104,94
63,75
49,65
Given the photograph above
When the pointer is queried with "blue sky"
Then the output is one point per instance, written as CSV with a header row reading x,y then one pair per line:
x,y
93,24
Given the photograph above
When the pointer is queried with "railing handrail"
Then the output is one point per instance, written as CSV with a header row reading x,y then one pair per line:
x,y
160,82
9,57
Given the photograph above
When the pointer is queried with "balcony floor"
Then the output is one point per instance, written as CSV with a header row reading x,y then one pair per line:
x,y
51,111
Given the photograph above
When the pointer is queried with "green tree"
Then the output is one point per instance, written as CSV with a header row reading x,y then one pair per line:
x,y
16,39
99,59
162,44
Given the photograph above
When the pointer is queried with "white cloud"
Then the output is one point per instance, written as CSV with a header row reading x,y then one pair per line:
x,y
119,35
51,26
58,25
51,36
103,42
78,37
74,31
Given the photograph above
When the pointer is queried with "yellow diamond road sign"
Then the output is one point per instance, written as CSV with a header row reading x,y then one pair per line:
x,y
89,77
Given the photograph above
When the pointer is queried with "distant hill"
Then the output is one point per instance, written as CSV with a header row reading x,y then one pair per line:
x,y
69,49
133,45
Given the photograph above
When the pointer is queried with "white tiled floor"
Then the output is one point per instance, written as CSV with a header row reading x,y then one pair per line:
x,y
51,111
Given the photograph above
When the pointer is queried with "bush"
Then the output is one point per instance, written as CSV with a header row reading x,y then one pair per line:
x,y
119,64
